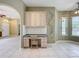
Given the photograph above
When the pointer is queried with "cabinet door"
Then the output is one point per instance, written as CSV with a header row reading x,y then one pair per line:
x,y
35,19
43,42
28,19
26,42
42,19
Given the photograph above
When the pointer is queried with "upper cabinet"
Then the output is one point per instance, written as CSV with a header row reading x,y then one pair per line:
x,y
36,19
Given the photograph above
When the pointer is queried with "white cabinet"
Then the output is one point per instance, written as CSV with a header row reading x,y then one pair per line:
x,y
42,41
35,19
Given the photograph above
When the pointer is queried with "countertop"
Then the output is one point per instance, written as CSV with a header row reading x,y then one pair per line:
x,y
38,35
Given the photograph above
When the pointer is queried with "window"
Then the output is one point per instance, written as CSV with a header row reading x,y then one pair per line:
x,y
75,26
64,26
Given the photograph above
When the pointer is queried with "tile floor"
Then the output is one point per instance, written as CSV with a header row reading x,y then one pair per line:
x,y
10,48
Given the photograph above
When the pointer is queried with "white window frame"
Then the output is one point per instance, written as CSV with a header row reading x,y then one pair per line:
x,y
66,25
75,33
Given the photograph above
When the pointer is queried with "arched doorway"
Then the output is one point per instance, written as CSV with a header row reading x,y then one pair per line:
x,y
9,21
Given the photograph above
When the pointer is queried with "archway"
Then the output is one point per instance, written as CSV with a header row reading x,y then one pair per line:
x,y
9,21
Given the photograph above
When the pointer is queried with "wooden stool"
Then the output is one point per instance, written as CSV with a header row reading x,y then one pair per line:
x,y
34,43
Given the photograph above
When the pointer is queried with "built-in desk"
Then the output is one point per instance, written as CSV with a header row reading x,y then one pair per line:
x,y
39,40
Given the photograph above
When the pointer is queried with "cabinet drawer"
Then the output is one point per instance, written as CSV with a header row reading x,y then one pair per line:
x,y
26,43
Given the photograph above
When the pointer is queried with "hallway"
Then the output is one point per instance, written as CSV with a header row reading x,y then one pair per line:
x,y
10,47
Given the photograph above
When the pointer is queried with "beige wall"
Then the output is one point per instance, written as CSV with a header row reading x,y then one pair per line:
x,y
57,37
50,20
13,27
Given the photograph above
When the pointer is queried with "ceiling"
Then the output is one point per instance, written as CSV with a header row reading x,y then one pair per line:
x,y
8,11
62,5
